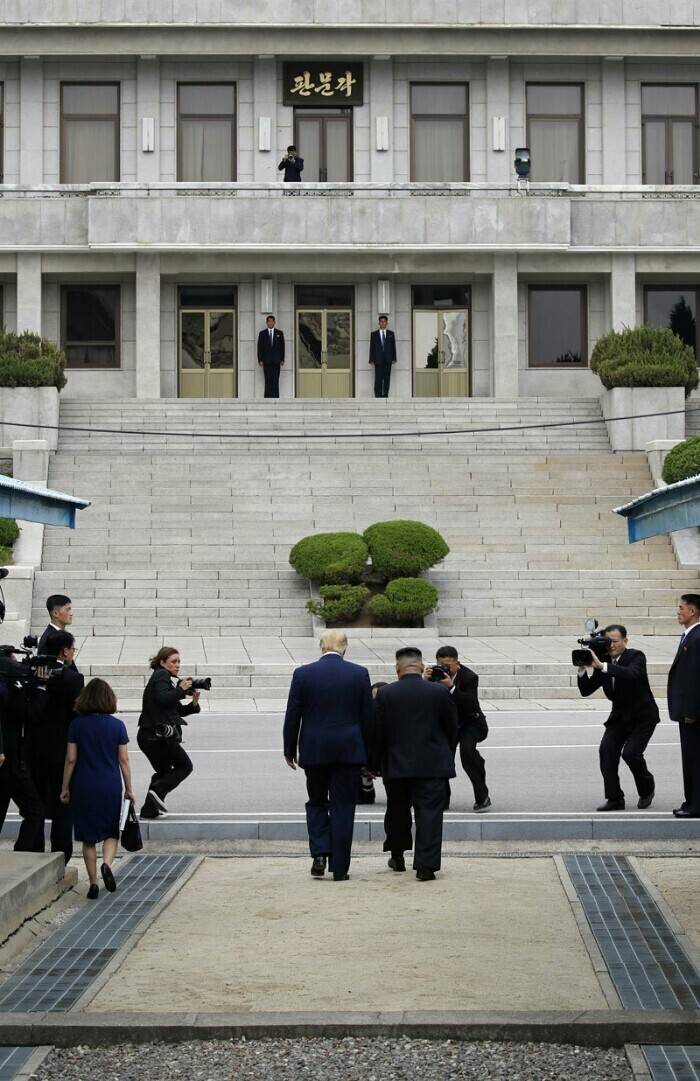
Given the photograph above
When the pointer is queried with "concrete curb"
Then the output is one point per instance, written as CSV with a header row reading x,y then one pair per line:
x,y
589,1028
37,881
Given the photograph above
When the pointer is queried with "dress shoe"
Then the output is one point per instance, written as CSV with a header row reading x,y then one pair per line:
x,y
108,878
162,809
318,867
341,878
612,805
397,863
150,808
482,805
94,892
423,874
682,812
645,801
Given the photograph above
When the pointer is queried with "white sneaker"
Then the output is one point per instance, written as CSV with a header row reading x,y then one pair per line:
x,y
158,802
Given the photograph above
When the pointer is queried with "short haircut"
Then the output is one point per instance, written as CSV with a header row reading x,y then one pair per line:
x,y
447,651
409,655
381,683
96,697
292,147
333,641
56,641
615,627
162,655
692,598
56,600
384,317
270,316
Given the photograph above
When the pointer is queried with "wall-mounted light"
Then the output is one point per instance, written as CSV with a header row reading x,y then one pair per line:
x,y
498,133
267,296
384,296
263,133
148,134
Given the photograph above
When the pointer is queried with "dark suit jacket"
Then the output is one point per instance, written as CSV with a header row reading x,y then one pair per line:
x,y
626,685
42,641
271,354
329,713
162,703
415,730
466,698
292,169
684,679
377,355
50,737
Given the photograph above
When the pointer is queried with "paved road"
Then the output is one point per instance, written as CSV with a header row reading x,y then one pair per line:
x,y
537,763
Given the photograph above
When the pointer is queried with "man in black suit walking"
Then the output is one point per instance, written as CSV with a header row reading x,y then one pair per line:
x,y
271,356
463,685
633,717
684,702
414,749
382,354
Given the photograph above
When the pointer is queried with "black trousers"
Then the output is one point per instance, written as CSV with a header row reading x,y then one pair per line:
x,y
170,762
628,743
690,758
330,812
472,762
16,784
272,380
48,778
382,378
427,797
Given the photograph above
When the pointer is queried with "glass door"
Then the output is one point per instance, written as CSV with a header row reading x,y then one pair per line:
x,y
324,141
441,353
207,354
324,353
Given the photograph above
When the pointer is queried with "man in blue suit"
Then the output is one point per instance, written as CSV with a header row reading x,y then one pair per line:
x,y
326,732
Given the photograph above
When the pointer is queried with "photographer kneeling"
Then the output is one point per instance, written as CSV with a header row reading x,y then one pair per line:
x,y
160,728
632,720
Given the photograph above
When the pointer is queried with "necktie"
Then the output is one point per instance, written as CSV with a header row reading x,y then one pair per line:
x,y
271,336
383,341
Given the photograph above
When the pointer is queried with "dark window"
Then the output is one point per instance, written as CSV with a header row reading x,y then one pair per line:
x,y
207,296
90,325
324,296
675,307
324,141
206,132
89,132
440,296
555,132
557,327
439,132
669,134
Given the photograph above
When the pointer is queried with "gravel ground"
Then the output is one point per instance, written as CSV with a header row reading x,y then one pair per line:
x,y
337,1060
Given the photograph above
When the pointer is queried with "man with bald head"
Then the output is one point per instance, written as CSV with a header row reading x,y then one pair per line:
x,y
326,732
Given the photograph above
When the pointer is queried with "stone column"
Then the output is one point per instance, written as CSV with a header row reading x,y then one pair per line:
x,y
30,462
381,89
499,163
265,105
31,122
623,301
504,325
29,292
147,326
147,107
613,92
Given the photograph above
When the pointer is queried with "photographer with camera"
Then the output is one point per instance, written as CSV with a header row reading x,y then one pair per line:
x,y
160,727
607,662
21,700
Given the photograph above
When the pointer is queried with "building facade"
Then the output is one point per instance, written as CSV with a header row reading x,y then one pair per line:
x,y
145,226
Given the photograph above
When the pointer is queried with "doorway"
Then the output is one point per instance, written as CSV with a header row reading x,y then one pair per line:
x,y
440,342
324,342
324,141
207,342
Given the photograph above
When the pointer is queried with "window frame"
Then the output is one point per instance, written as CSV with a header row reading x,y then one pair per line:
x,y
115,118
580,117
661,287
541,287
233,118
323,115
117,342
668,119
466,120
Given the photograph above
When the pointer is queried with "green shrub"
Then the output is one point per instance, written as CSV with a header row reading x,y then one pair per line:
x,y
403,549
9,532
28,360
340,603
330,558
682,461
644,357
406,600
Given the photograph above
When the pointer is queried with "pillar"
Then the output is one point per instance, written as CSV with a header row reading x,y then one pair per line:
x,y
29,292
381,88
147,108
623,300
265,107
147,326
504,325
31,122
499,163
30,462
613,120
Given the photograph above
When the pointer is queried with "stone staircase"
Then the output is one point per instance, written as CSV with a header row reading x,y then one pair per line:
x,y
190,526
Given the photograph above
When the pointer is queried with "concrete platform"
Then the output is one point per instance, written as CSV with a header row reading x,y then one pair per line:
x,y
28,883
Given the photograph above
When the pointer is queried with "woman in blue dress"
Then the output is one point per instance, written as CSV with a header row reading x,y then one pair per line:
x,y
96,762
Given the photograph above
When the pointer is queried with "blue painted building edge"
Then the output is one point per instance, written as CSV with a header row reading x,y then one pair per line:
x,y
675,506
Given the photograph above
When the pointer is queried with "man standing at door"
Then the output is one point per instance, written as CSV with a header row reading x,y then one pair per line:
x,y
382,354
271,356
293,166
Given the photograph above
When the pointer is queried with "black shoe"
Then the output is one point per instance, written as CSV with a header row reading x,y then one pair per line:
x,y
682,812
162,809
645,801
150,808
318,867
612,805
482,805
397,863
341,878
423,874
108,878
367,796
94,892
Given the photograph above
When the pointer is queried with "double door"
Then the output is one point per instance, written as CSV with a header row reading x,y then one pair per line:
x,y
441,353
325,143
207,353
324,352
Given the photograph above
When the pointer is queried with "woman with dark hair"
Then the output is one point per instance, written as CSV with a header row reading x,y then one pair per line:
x,y
92,784
160,728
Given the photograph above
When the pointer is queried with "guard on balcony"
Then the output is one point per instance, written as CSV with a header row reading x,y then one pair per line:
x,y
293,166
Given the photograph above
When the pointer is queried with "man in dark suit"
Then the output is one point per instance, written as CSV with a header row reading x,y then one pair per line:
x,y
60,616
414,749
326,731
684,702
632,720
271,356
293,166
463,685
382,354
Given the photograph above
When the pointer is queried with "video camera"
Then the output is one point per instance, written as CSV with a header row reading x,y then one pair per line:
x,y
597,643
33,670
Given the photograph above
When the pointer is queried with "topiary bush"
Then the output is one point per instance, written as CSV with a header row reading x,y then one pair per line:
x,y
404,549
9,532
330,558
28,360
405,600
340,603
644,357
682,461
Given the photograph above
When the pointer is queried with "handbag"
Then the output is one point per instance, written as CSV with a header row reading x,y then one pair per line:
x,y
131,833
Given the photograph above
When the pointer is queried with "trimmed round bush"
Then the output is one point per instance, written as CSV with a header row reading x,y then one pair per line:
x,y
28,360
9,532
406,600
381,610
644,357
339,603
330,558
682,461
403,549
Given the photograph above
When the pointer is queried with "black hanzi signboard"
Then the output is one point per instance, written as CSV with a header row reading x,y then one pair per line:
x,y
316,85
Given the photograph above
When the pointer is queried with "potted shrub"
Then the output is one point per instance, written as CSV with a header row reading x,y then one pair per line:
x,y
682,461
645,370
31,375
404,603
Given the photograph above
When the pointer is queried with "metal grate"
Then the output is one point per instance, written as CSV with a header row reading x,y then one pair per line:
x,y
56,974
671,1063
13,1059
649,969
